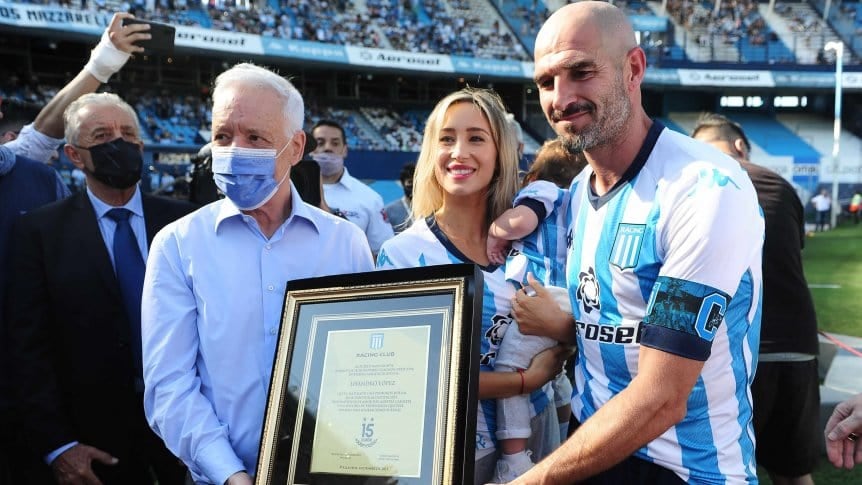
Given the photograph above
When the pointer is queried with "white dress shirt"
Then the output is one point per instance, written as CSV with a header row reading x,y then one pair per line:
x,y
212,303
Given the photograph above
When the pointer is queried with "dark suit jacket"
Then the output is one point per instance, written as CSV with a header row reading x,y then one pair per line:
x,y
68,334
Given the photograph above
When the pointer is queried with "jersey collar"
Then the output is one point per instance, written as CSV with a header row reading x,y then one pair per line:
x,y
431,221
640,160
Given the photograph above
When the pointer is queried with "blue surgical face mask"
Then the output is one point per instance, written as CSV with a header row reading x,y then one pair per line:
x,y
246,175
330,163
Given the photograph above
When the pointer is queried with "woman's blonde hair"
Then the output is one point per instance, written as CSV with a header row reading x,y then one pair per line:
x,y
427,193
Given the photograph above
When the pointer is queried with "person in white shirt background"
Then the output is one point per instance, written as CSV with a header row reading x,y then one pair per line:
x,y
359,203
822,204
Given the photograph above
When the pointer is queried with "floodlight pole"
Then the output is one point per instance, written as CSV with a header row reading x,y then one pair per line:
x,y
838,47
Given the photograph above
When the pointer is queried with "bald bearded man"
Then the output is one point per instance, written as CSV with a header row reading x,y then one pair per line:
x,y
663,272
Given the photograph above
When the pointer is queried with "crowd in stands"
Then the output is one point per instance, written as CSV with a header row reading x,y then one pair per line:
x,y
399,131
357,137
804,22
461,31
392,24
29,94
800,21
530,16
319,21
177,119
172,119
853,12
499,29
425,26
634,7
735,20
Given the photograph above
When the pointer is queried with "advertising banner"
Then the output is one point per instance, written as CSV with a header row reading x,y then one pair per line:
x,y
303,49
52,17
729,78
414,61
489,67
218,40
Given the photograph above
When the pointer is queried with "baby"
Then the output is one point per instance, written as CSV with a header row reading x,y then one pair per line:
x,y
538,227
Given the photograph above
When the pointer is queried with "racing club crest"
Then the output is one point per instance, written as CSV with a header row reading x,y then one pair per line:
x,y
627,245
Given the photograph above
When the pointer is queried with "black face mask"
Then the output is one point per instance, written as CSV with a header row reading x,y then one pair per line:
x,y
408,190
117,163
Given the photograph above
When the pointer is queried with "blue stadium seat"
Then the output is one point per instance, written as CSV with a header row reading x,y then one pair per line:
x,y
775,138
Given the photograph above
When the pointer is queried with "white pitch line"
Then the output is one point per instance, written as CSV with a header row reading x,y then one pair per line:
x,y
827,286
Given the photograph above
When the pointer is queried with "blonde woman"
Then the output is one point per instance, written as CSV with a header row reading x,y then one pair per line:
x,y
466,176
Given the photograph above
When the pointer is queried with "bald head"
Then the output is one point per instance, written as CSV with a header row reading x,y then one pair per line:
x,y
589,69
598,21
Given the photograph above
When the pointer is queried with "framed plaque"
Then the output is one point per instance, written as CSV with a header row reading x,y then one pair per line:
x,y
375,380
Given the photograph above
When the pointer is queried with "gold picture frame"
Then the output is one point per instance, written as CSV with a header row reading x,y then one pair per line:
x,y
375,380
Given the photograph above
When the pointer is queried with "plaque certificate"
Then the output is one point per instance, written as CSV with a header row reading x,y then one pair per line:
x,y
375,380
373,387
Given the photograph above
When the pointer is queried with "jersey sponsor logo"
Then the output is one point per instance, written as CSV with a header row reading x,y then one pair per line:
x,y
588,290
610,334
708,179
627,245
494,334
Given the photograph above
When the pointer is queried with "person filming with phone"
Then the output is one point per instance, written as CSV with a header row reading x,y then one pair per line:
x,y
71,326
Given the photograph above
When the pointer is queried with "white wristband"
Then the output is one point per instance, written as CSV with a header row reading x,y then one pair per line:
x,y
106,59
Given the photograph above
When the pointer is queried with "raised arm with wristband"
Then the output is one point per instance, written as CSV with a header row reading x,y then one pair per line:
x,y
39,139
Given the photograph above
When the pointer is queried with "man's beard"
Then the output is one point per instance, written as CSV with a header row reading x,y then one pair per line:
x,y
606,128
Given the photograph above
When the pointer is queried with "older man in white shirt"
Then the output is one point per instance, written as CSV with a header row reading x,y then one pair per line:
x,y
215,280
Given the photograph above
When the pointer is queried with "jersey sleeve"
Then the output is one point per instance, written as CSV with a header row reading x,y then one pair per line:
x,y
541,196
393,253
710,233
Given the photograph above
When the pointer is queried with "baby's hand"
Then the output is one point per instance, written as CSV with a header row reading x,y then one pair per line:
x,y
497,249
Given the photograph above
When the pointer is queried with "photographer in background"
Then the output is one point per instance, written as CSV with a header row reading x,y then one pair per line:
x,y
202,187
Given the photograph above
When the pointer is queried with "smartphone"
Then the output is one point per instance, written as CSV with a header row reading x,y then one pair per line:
x,y
162,37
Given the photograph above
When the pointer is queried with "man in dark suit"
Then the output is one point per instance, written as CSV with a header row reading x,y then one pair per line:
x,y
73,311
24,185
